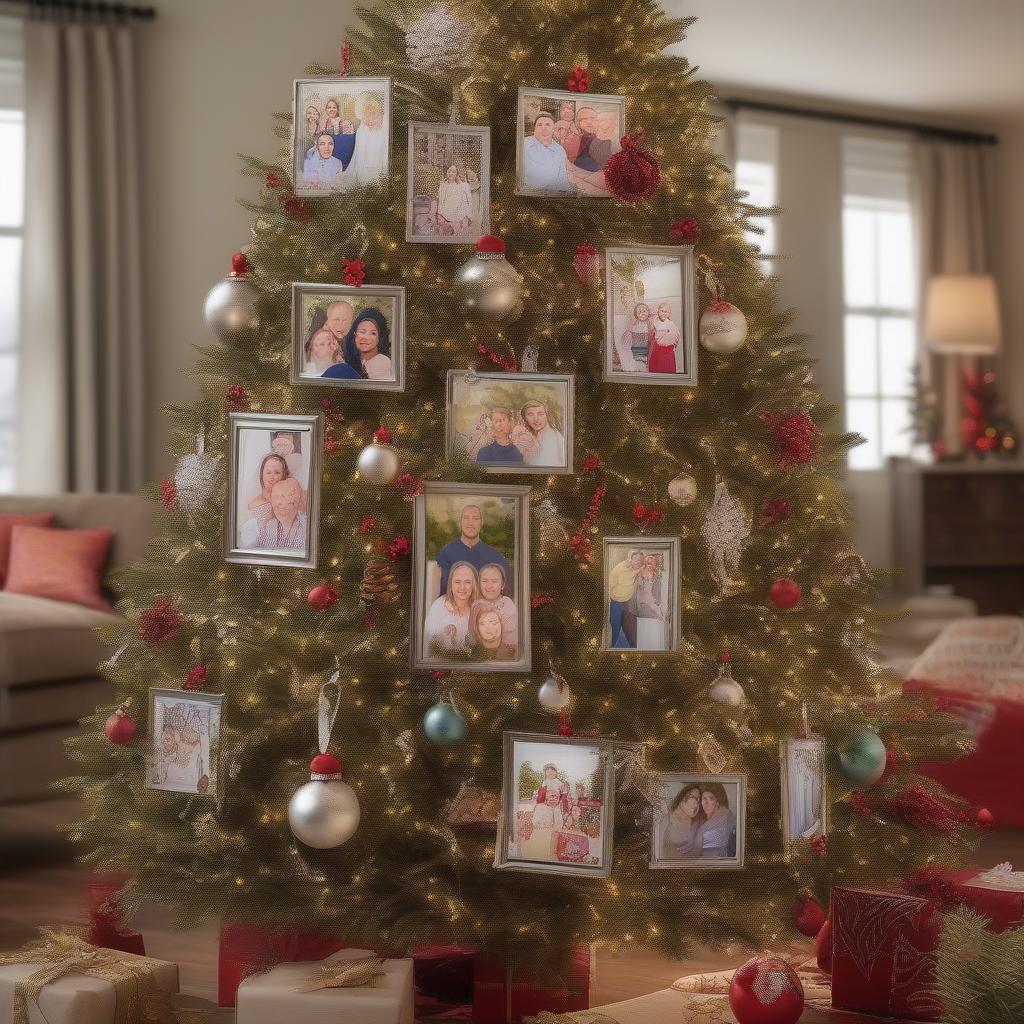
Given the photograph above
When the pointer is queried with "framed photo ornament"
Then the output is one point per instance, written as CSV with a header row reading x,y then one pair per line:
x,y
804,792
184,742
641,594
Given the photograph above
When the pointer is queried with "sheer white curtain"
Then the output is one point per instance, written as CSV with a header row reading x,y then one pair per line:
x,y
81,372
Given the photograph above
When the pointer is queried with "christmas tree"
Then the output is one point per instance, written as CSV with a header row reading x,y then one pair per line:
x,y
727,475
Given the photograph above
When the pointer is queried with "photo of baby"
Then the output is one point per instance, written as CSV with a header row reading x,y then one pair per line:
x,y
511,422
699,822
184,741
650,334
449,183
566,141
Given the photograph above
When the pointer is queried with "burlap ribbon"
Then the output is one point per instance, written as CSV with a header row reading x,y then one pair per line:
x,y
138,999
576,1017
353,973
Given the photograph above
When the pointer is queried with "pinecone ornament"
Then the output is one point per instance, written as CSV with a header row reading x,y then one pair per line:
x,y
379,586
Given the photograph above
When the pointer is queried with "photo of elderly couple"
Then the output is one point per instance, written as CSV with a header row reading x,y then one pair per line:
x,y
700,821
348,336
641,587
471,577
342,130
184,742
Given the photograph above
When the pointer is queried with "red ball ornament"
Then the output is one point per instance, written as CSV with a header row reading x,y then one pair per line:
x,y
785,593
633,173
322,596
808,917
985,818
766,990
823,946
120,727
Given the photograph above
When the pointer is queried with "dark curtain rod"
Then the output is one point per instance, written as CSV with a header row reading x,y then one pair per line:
x,y
931,131
79,8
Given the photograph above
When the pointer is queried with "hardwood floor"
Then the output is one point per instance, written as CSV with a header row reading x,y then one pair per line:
x,y
39,886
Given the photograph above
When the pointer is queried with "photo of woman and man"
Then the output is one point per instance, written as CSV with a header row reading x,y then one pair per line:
x,y
640,585
346,335
511,423
559,813
700,821
342,130
449,183
566,141
184,738
469,606
649,329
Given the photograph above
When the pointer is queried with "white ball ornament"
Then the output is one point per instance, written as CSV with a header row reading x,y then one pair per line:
x,y
437,42
682,489
723,328
195,478
488,285
378,464
230,306
725,689
324,813
554,694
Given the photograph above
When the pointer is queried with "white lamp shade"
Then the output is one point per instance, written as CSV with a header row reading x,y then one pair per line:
x,y
962,315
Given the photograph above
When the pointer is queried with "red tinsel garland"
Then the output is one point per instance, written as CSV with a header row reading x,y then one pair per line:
x,y
646,516
775,510
507,363
160,622
236,398
685,229
591,463
794,438
168,492
196,679
368,525
354,270
579,80
409,485
399,547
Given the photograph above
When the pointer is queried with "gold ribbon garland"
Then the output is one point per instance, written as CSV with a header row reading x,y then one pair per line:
x,y
576,1017
138,999
357,973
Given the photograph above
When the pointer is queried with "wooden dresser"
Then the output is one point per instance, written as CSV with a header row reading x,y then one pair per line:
x,y
962,525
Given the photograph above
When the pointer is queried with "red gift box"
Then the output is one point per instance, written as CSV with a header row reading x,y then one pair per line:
x,y
499,998
105,924
997,894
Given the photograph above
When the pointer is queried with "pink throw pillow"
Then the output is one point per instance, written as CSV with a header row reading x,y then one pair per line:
x,y
7,523
63,565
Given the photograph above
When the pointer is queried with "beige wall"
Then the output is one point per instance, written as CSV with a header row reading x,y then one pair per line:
x,y
213,72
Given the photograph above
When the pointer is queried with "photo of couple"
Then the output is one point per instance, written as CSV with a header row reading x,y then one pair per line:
x,y
449,183
342,129
471,583
511,422
348,336
557,814
641,587
650,330
700,821
566,142
803,788
274,464
185,741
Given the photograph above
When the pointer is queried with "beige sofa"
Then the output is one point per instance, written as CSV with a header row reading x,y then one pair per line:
x,y
49,649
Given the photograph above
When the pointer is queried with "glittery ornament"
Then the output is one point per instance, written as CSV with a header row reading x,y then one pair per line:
x,y
195,478
488,285
725,689
377,464
632,174
712,754
438,42
723,328
862,757
554,536
682,489
766,990
120,727
725,530
794,438
230,306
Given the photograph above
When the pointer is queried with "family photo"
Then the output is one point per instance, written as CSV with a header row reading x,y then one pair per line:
x,y
471,578
341,133
566,141
344,336
184,742
449,183
650,315
700,821
557,813
641,585
804,805
273,489
511,422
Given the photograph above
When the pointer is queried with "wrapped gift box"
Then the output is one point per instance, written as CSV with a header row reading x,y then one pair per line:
x,y
997,894
498,998
78,998
272,998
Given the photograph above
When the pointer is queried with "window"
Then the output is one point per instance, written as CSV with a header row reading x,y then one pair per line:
x,y
757,157
879,288
12,202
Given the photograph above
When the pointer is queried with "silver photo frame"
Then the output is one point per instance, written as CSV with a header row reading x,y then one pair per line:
x,y
619,318
348,91
804,790
415,211
614,551
250,439
691,848
429,573
183,755
560,96
520,845
358,298
516,391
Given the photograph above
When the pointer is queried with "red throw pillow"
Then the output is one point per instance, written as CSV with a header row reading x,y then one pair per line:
x,y
63,565
7,523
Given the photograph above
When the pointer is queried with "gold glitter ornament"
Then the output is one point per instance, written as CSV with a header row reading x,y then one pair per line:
x,y
439,41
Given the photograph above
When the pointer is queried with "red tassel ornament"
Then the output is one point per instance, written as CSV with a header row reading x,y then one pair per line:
x,y
632,174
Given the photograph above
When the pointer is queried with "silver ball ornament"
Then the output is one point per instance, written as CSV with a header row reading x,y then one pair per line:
x,y
377,464
682,489
553,697
444,725
725,689
723,328
230,310
324,813
488,285
195,478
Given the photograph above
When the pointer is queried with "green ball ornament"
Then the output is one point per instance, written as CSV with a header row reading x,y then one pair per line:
x,y
862,757
444,725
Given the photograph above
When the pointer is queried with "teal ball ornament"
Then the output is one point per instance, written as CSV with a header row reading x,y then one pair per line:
x,y
444,725
862,757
